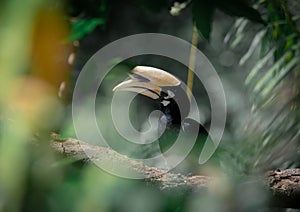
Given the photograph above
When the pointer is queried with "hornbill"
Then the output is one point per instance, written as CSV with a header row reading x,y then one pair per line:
x,y
162,86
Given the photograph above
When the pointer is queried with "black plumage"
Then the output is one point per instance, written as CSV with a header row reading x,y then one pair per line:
x,y
175,107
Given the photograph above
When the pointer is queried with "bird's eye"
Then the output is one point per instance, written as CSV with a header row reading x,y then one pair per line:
x,y
170,94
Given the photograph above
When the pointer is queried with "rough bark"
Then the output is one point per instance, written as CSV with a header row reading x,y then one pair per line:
x,y
285,187
78,149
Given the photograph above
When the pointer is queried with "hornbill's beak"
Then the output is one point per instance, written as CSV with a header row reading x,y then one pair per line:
x,y
148,81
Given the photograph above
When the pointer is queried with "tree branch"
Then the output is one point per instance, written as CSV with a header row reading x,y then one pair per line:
x,y
77,149
284,185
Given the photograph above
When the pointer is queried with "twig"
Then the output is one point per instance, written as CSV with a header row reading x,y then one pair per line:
x,y
192,62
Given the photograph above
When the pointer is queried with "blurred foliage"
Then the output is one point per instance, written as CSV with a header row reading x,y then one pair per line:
x,y
26,101
273,84
49,53
203,11
80,28
86,16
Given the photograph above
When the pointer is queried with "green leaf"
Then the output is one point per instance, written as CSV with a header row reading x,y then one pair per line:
x,y
239,8
253,46
270,73
238,39
83,27
268,56
260,65
288,67
276,121
233,29
203,11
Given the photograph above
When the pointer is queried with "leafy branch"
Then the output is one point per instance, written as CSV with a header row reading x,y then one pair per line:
x,y
273,83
